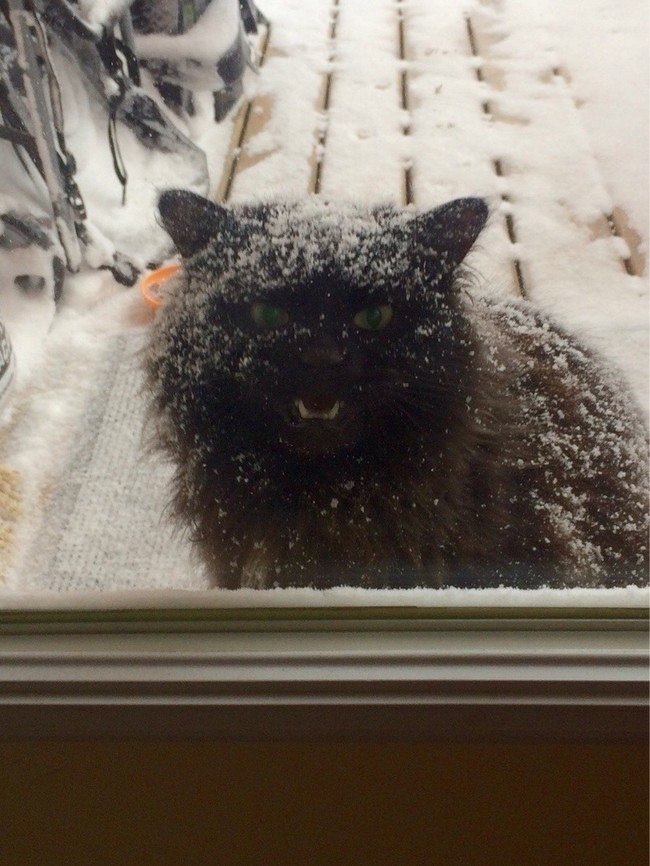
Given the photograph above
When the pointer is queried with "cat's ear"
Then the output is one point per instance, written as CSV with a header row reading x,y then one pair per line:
x,y
451,228
191,220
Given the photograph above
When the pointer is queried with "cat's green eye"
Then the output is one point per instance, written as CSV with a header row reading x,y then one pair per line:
x,y
374,318
268,315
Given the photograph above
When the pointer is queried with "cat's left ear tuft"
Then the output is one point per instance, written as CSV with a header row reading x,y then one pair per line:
x,y
191,220
452,228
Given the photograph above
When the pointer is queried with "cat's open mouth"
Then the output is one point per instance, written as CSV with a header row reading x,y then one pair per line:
x,y
318,408
318,424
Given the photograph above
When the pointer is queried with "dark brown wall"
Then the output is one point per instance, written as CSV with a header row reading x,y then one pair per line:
x,y
87,803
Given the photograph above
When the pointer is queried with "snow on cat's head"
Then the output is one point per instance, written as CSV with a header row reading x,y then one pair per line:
x,y
310,321
288,242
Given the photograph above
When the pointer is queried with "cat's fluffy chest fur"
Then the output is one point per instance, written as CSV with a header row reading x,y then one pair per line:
x,y
338,411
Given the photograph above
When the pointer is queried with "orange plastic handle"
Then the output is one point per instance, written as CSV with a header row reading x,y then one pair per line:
x,y
150,283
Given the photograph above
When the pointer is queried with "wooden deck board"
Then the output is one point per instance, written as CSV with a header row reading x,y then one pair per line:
x,y
451,156
365,114
274,155
573,265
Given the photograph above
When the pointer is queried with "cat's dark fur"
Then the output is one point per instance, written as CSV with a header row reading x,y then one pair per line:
x,y
471,444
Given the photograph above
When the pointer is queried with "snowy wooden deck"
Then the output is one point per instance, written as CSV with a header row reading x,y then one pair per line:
x,y
404,109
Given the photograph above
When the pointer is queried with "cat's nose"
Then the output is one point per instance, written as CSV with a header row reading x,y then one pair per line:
x,y
322,354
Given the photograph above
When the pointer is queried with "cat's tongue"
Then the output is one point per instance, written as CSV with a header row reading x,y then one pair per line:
x,y
321,406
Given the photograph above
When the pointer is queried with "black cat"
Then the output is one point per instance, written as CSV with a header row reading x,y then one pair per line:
x,y
340,411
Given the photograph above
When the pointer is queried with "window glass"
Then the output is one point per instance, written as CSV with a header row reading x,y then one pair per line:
x,y
341,302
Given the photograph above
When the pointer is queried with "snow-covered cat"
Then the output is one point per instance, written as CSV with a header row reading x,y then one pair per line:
x,y
340,411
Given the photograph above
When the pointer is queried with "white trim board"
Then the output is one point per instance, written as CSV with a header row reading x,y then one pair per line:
x,y
619,597
437,680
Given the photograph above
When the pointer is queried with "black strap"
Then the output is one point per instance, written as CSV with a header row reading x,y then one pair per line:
x,y
15,136
15,123
64,17
107,50
118,162
132,62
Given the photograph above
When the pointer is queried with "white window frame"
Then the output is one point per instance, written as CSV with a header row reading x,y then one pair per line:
x,y
497,674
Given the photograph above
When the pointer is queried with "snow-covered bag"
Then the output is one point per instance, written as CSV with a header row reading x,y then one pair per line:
x,y
89,117
198,45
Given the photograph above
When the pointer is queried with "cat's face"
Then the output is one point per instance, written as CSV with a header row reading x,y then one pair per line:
x,y
313,330
319,362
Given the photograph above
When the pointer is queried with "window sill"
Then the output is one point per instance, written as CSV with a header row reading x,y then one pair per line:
x,y
454,674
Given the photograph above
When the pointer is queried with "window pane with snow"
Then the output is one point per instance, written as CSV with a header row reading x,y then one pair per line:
x,y
343,302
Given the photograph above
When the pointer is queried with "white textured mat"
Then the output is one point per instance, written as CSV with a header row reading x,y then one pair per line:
x,y
103,526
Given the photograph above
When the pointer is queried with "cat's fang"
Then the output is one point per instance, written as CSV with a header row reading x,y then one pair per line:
x,y
328,415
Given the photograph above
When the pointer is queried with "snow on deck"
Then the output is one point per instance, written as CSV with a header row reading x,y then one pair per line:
x,y
535,107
